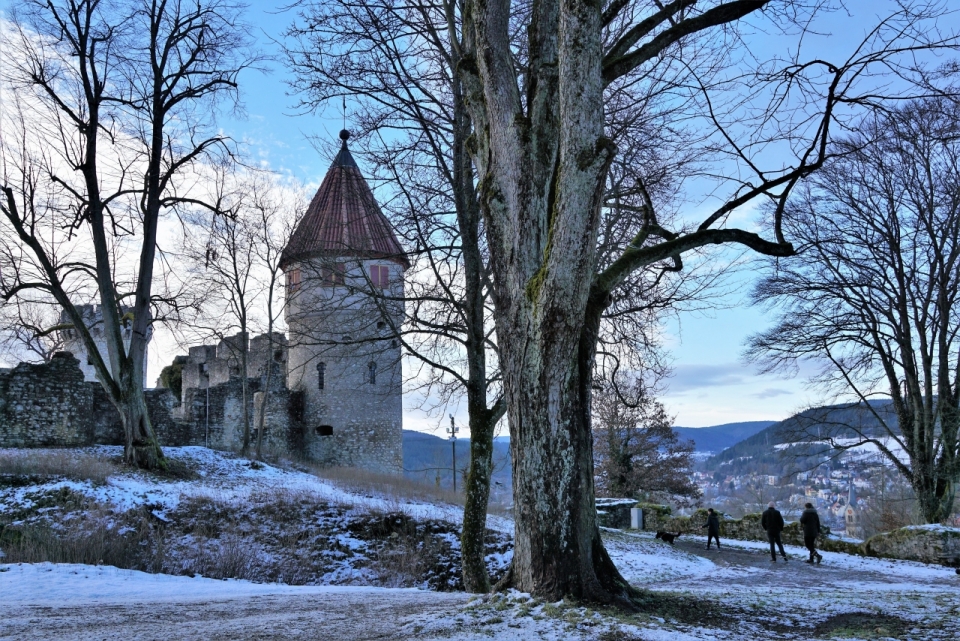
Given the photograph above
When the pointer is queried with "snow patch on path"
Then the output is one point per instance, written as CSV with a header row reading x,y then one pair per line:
x,y
72,584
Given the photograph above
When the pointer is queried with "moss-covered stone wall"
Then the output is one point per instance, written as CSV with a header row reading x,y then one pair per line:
x,y
924,543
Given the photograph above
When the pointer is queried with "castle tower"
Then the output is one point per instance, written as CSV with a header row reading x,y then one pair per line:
x,y
93,318
344,295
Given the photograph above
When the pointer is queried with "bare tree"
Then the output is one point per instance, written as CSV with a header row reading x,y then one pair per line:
x,y
400,66
636,452
29,330
873,295
542,159
272,220
408,80
113,102
220,252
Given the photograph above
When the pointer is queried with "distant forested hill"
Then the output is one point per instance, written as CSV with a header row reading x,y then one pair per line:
x,y
424,454
719,437
758,454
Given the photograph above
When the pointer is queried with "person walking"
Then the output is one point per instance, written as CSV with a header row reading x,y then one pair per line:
x,y
772,522
810,522
713,528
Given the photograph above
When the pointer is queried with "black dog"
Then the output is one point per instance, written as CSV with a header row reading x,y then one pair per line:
x,y
666,536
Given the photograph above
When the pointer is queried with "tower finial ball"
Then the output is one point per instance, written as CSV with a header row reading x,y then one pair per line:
x,y
344,134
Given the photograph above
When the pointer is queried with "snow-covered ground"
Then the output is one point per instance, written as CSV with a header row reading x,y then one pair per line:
x,y
858,450
690,593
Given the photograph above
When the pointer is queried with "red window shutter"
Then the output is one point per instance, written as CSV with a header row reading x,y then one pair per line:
x,y
334,275
293,280
380,275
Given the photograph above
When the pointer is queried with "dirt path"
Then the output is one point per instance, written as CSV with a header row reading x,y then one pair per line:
x,y
796,573
332,615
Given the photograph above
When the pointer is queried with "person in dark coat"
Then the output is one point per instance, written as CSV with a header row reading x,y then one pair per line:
x,y
713,528
772,522
810,522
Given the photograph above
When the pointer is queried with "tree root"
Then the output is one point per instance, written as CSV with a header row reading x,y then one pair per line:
x,y
146,457
506,581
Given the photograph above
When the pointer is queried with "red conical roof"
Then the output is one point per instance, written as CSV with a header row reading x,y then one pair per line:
x,y
344,219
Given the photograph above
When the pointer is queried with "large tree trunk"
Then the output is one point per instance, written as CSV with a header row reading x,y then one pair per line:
x,y
543,167
935,495
142,448
557,549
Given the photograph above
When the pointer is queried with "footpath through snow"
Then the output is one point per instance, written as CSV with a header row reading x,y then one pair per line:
x,y
734,594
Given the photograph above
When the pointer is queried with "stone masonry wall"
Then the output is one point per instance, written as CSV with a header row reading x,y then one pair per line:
x,y
48,404
659,518
215,417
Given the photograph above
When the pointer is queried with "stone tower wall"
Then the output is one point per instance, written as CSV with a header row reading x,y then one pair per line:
x,y
351,421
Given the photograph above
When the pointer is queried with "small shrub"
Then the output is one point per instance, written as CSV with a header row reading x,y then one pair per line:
x,y
97,545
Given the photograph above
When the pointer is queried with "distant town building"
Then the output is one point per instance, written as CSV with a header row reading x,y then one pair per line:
x,y
851,515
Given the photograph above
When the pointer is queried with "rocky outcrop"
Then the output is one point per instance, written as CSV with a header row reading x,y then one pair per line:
x,y
925,543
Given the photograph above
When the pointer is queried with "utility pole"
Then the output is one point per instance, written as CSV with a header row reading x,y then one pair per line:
x,y
452,431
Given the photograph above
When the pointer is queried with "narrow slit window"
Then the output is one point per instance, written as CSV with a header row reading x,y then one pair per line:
x,y
380,275
321,375
372,373
325,430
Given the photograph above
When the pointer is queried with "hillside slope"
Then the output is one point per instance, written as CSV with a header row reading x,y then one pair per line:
x,y
760,448
719,437
424,455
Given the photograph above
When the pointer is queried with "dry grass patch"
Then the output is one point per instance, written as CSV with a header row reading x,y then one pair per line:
x,y
24,467
390,486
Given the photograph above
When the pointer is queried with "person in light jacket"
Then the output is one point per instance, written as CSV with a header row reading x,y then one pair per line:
x,y
713,528
772,522
810,522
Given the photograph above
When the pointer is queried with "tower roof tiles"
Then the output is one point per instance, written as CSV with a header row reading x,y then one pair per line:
x,y
344,219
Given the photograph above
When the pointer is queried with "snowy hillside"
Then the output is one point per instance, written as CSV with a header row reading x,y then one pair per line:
x,y
228,517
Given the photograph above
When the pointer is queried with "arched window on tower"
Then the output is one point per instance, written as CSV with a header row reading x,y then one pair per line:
x,y
321,375
372,372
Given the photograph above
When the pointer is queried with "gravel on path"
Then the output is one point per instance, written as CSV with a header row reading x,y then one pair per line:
x,y
335,616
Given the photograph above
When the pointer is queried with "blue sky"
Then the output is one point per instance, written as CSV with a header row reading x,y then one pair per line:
x,y
709,385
